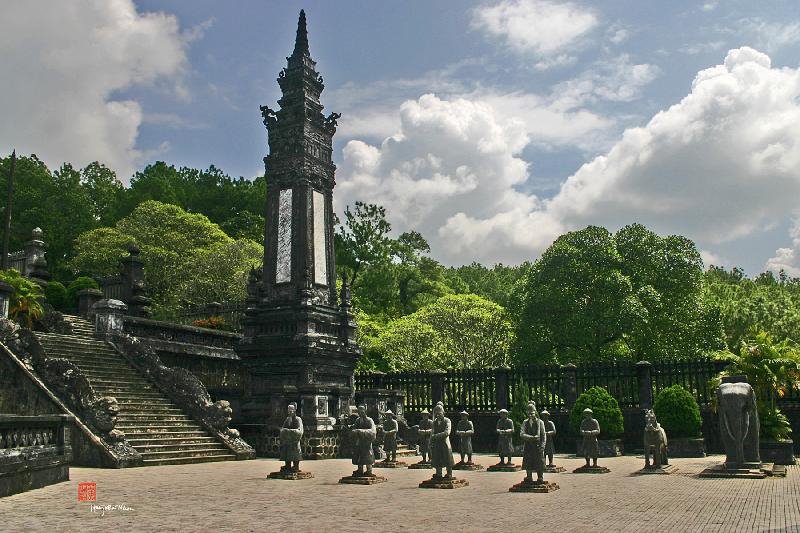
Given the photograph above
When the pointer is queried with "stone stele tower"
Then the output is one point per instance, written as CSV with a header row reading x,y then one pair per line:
x,y
299,340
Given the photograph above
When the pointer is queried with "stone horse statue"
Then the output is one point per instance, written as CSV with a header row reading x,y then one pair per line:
x,y
655,438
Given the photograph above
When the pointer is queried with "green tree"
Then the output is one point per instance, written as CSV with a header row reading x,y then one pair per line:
x,y
25,304
187,258
634,295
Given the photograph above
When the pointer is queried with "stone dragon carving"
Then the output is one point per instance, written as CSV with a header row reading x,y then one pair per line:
x,y
187,391
65,379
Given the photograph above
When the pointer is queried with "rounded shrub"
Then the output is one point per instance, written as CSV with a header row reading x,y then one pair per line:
x,y
606,412
677,412
56,295
83,282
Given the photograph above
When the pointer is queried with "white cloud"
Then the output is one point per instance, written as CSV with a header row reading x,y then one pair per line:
x,y
767,35
64,61
616,80
787,259
709,6
547,30
721,164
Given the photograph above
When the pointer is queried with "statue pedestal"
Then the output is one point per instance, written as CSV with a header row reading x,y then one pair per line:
x,y
290,474
389,464
745,471
504,468
443,482
554,469
363,479
663,469
426,465
461,465
534,486
586,469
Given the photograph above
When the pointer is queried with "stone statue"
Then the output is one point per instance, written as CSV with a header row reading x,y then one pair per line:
x,y
390,428
465,430
739,425
505,432
424,432
442,454
290,451
364,432
534,437
655,440
590,429
290,435
550,429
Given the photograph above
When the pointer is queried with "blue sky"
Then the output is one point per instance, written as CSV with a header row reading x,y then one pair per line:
x,y
491,127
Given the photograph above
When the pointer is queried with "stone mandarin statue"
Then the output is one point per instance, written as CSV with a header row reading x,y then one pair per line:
x,y
425,430
364,432
534,437
590,429
505,433
465,430
291,433
550,429
390,429
290,451
441,451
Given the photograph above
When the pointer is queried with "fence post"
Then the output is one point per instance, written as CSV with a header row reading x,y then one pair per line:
x,y
437,386
501,387
378,380
644,373
569,385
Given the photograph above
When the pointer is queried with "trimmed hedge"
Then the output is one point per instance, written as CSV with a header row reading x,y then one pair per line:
x,y
606,412
83,282
56,295
678,413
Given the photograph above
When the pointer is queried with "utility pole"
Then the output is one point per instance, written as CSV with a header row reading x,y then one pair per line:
x,y
9,196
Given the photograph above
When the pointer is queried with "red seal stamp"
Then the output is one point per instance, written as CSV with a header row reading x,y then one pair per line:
x,y
87,492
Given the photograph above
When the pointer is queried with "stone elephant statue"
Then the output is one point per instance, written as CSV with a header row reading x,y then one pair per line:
x,y
738,423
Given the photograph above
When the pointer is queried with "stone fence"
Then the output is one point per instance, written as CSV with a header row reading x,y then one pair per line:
x,y
35,451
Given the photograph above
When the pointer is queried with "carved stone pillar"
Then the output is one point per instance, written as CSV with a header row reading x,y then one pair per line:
x,y
109,316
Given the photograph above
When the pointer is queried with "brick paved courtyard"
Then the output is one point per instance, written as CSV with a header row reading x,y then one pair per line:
x,y
235,496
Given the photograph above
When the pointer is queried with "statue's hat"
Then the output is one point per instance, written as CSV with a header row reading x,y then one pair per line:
x,y
587,410
464,413
503,411
545,412
388,412
425,412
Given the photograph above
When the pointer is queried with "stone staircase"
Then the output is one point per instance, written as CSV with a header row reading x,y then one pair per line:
x,y
153,425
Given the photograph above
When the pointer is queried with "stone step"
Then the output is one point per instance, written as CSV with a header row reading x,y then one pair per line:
x,y
140,397
153,403
168,441
164,427
151,409
188,460
184,434
151,417
185,447
199,452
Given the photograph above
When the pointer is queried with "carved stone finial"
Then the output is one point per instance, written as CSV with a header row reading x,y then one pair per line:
x,y
344,296
133,249
301,41
36,234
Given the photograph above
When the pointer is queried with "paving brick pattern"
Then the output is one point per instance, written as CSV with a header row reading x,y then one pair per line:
x,y
235,496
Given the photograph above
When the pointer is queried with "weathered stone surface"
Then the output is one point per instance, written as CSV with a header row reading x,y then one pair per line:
x,y
422,465
462,465
443,482
653,469
554,469
390,464
534,486
363,479
499,467
290,474
587,469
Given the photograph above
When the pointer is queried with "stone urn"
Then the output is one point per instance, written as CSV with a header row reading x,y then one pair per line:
x,y
686,447
778,452
608,447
